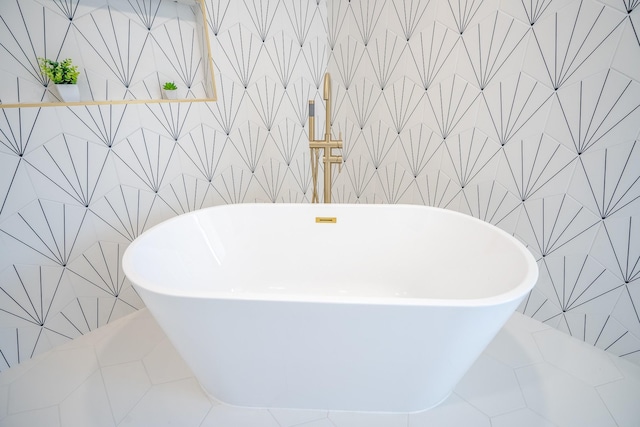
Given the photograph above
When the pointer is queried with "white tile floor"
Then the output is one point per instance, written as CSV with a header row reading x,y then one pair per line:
x,y
128,374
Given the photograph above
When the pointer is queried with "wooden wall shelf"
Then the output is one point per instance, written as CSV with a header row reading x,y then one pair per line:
x,y
209,82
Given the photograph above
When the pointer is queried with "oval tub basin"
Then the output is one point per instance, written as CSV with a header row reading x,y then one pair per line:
x,y
277,306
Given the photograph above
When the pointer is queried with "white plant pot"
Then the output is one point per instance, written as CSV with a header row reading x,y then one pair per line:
x,y
68,92
170,94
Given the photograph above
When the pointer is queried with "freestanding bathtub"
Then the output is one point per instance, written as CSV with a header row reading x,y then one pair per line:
x,y
276,305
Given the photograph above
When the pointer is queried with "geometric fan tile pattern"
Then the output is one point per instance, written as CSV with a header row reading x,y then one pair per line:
x,y
523,114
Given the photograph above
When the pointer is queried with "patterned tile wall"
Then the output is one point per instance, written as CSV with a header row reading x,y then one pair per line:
x,y
77,184
524,114
521,113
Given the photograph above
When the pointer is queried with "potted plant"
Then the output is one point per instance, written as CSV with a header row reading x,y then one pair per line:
x,y
170,90
64,75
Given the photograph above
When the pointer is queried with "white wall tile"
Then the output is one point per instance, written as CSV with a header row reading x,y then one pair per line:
x,y
558,160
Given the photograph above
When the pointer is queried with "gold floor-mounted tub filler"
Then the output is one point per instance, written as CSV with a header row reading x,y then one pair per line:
x,y
327,144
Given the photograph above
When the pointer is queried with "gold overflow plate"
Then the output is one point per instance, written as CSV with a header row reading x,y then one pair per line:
x,y
326,219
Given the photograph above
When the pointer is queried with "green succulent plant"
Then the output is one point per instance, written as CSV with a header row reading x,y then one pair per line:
x,y
59,72
169,86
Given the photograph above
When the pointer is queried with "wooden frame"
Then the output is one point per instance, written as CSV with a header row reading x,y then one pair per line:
x,y
206,51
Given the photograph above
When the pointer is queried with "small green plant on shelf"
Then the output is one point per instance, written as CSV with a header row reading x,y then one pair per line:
x,y
170,86
62,72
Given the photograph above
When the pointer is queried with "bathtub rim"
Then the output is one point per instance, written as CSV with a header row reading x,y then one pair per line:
x,y
516,293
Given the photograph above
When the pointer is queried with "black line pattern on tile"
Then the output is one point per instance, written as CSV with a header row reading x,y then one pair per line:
x,y
74,166
204,147
50,229
578,280
635,32
402,99
470,154
299,94
179,45
120,51
225,111
284,56
301,172
603,331
437,190
103,121
171,116
449,102
366,14
271,178
80,331
126,210
360,174
622,336
216,13
16,129
556,221
337,14
338,97
89,313
491,46
262,14
186,193
626,253
410,14
533,166
430,53
348,57
242,50
145,10
419,145
385,55
291,196
596,119
101,267
315,56
463,12
629,5
364,98
379,140
5,191
612,184
266,96
562,61
535,9
288,138
233,184
147,156
394,182
511,105
250,143
534,305
4,356
29,294
491,202
341,194
22,41
300,15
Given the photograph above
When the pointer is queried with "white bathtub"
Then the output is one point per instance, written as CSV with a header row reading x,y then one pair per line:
x,y
383,310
